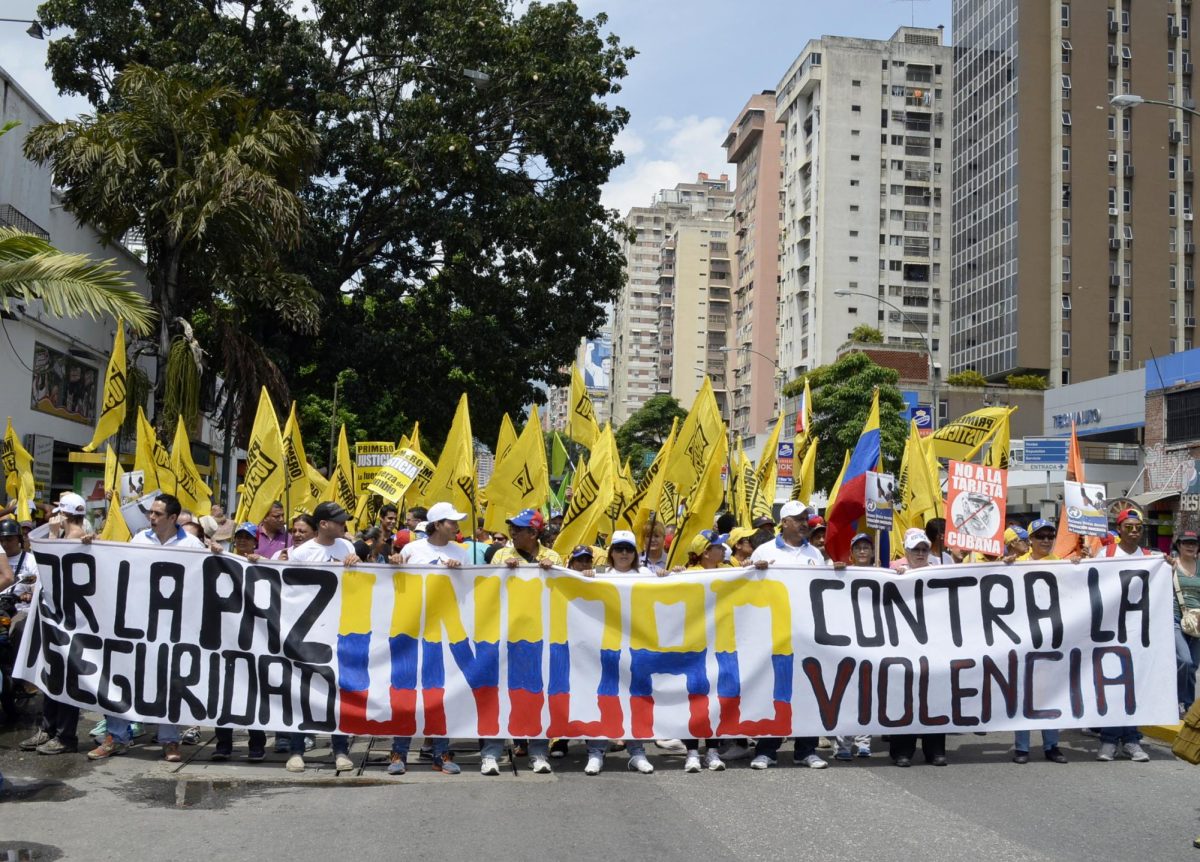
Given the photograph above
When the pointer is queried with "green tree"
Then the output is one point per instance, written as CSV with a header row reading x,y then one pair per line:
x,y
968,377
456,232
1026,381
209,180
841,401
644,432
866,334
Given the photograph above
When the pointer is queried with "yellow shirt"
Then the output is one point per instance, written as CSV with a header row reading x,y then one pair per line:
x,y
1028,558
508,552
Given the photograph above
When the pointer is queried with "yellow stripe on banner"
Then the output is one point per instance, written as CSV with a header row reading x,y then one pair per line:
x,y
406,605
760,594
357,588
525,610
442,610
564,590
643,622
487,609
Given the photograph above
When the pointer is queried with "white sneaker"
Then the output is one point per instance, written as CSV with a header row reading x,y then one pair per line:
x,y
824,743
595,765
342,763
488,765
713,761
1136,753
639,763
295,763
692,764
762,762
1108,751
735,751
813,762
671,746
541,766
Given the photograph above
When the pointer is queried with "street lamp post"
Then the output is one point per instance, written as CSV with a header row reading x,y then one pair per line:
x,y
933,376
779,373
1128,100
35,29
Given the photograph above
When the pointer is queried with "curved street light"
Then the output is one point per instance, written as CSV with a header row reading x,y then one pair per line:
x,y
35,29
1129,100
933,377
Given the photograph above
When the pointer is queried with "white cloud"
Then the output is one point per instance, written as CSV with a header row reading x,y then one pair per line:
x,y
673,150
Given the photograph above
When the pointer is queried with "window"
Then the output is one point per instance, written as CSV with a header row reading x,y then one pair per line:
x,y
856,83
1066,344
1066,230
1128,233
857,109
854,157
854,182
1126,57
1066,306
1066,158
1127,197
1064,14
1170,203
1170,167
1066,268
1066,51
1066,121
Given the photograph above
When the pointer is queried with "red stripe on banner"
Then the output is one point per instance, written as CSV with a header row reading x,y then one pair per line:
x,y
487,707
435,711
608,727
699,724
641,714
353,714
525,712
731,723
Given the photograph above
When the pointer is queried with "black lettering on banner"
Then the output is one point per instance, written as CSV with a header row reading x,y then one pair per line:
x,y
54,672
75,594
953,585
249,706
1037,614
893,601
47,609
1129,606
1099,633
829,706
78,665
171,602
181,683
872,587
885,668
1006,684
959,692
923,696
308,721
120,629
295,646
160,663
33,629
816,595
1123,678
223,585
865,678
1031,660
1076,683
124,701
993,615
269,615
268,690
214,683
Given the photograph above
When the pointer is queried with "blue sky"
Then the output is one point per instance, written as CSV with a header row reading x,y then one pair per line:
x,y
699,61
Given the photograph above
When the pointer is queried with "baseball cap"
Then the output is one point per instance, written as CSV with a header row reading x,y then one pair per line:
x,y
71,504
762,521
862,537
1125,515
815,522
1042,524
527,518
330,511
739,533
623,537
252,529
793,509
705,540
582,551
444,512
1014,533
914,537
1187,536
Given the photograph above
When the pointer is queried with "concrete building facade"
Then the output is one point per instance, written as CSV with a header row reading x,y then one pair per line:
x,y
866,192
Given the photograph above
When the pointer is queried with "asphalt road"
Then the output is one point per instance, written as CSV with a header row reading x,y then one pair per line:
x,y
980,807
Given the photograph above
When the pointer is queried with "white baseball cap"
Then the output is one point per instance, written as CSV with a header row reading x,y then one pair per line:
x,y
914,537
71,504
794,509
623,537
443,512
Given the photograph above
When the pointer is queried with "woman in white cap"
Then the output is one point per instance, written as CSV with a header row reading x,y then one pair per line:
x,y
67,522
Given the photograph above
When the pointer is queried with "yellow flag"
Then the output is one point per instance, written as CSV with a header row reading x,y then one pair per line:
x,y
997,453
152,458
581,418
767,469
700,507
592,493
398,474
833,492
521,480
297,488
264,481
112,413
702,431
649,489
504,441
622,480
454,478
18,473
190,487
962,439
341,487
115,529
918,493
806,481
316,491
110,474
414,439
747,498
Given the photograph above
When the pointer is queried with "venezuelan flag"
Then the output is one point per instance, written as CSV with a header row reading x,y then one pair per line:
x,y
850,504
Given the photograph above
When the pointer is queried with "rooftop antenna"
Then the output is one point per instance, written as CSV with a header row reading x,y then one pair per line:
x,y
912,6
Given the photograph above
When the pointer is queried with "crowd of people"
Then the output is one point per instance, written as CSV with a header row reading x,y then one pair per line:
x,y
435,536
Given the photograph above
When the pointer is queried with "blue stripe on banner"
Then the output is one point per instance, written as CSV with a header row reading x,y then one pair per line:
x,y
610,673
783,676
729,680
433,672
481,668
560,669
404,661
525,666
352,652
643,663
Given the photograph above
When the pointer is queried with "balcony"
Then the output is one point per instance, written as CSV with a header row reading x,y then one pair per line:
x,y
12,217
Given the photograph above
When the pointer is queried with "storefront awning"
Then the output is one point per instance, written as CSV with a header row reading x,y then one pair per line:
x,y
1148,499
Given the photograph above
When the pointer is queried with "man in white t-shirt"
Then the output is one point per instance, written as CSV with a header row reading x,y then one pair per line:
x,y
791,547
24,568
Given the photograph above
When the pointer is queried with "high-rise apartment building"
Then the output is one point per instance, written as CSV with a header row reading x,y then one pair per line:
x,y
1052,186
636,335
866,226
755,145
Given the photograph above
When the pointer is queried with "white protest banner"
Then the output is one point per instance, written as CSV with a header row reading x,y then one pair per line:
x,y
190,637
975,504
880,496
1087,510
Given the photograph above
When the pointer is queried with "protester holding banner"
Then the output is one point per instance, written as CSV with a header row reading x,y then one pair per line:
x,y
272,535
523,546
816,535
655,555
304,527
741,545
1187,593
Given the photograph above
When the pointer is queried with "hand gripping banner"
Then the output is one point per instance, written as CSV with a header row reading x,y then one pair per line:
x,y
188,637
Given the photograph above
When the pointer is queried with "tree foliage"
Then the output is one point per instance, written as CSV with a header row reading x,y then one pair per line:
x,y
841,401
455,234
1026,381
968,377
644,432
866,334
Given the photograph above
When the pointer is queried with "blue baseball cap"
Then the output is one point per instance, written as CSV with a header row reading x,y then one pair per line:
x,y
862,537
582,551
1043,524
527,518
1016,532
247,527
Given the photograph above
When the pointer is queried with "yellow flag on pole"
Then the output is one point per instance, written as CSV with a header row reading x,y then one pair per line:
x,y
649,489
592,494
264,480
298,491
341,487
414,439
833,492
700,507
582,426
152,458
504,441
112,412
18,473
767,469
962,439
115,529
454,478
702,431
997,453
521,480
190,487
806,480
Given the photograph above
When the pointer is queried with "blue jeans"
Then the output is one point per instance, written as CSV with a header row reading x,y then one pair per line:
x,y
599,747
340,743
439,744
121,730
805,745
1117,735
495,747
1187,659
1021,740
